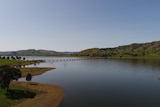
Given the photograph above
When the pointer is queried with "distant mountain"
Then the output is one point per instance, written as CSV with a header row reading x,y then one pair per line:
x,y
31,52
151,49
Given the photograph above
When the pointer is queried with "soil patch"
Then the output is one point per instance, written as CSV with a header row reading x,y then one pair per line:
x,y
34,71
48,95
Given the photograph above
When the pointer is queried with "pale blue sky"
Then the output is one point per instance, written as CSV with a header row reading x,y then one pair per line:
x,y
75,25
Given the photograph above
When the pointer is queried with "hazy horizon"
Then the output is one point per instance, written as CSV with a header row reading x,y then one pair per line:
x,y
75,25
74,51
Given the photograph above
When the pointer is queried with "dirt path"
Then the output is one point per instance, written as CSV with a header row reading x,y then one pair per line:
x,y
50,95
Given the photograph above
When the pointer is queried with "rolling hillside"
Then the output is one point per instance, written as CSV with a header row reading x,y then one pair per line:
x,y
151,49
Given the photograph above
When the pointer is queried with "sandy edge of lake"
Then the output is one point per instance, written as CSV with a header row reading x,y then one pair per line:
x,y
49,95
37,72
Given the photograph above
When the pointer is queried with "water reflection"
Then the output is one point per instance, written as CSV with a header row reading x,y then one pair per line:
x,y
104,82
152,63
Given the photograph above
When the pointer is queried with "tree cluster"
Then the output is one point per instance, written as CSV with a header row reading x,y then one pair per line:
x,y
7,74
12,57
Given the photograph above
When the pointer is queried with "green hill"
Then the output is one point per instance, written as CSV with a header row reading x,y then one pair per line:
x,y
151,49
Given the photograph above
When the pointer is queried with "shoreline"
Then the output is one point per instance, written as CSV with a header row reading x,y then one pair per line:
x,y
49,95
35,71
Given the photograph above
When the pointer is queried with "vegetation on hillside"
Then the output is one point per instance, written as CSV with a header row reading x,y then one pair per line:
x,y
151,49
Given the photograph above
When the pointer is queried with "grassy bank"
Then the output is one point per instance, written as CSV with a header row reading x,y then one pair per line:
x,y
12,62
15,96
46,95
24,94
18,62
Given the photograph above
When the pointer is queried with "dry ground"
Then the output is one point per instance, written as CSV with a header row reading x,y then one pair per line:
x,y
34,70
49,95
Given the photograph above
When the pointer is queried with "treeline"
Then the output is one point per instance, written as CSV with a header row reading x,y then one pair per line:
x,y
133,50
12,57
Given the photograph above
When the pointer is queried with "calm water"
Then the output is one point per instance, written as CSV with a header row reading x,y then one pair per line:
x,y
104,82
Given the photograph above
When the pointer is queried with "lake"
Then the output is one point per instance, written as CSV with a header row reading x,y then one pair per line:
x,y
103,82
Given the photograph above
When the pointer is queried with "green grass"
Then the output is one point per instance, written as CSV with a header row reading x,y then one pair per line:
x,y
15,95
15,62
4,101
9,62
